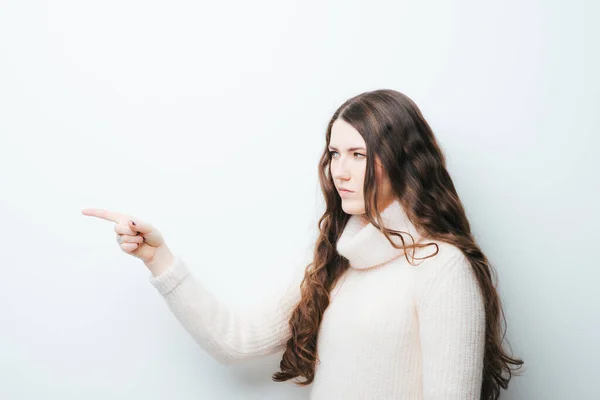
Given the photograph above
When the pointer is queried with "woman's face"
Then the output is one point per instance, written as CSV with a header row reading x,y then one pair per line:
x,y
348,166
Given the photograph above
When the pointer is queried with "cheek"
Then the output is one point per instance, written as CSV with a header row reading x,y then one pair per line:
x,y
359,172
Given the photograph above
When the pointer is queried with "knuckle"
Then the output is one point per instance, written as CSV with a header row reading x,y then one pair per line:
x,y
132,239
128,247
124,238
124,230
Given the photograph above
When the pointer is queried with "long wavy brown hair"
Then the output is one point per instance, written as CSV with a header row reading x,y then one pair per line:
x,y
397,135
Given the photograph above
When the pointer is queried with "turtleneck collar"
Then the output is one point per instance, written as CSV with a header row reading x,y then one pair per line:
x,y
365,246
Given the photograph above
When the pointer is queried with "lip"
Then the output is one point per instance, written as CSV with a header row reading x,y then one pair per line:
x,y
345,192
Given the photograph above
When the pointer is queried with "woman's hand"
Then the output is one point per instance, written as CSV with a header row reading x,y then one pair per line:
x,y
137,238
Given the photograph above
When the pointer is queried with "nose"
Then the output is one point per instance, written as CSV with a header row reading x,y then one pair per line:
x,y
340,171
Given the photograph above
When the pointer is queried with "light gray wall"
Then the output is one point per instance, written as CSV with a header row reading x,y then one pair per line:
x,y
207,120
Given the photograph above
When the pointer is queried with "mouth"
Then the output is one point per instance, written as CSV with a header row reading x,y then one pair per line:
x,y
345,191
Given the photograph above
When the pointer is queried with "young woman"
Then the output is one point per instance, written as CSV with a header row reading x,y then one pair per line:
x,y
398,301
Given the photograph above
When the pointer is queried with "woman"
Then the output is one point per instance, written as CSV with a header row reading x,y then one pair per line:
x,y
398,301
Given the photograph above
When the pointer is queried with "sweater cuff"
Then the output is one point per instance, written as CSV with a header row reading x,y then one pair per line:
x,y
170,278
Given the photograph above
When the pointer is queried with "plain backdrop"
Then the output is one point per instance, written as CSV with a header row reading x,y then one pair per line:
x,y
207,119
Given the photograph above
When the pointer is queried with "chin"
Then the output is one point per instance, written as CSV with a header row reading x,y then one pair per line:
x,y
353,207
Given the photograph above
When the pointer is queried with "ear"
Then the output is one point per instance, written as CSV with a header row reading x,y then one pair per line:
x,y
380,174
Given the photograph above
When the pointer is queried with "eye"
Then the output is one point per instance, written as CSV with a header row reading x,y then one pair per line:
x,y
355,154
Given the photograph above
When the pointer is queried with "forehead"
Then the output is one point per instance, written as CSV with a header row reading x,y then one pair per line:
x,y
344,135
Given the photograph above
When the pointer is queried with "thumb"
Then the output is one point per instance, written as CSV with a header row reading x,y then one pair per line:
x,y
150,234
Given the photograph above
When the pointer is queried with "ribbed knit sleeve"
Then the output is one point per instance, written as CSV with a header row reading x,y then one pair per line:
x,y
452,332
223,332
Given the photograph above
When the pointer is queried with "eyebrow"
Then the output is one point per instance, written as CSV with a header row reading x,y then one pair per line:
x,y
349,149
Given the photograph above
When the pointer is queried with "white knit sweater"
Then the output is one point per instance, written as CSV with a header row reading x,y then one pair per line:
x,y
391,331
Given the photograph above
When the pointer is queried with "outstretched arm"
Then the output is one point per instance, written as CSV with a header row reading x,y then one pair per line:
x,y
227,335
452,331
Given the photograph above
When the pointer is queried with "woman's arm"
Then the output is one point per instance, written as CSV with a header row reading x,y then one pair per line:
x,y
452,331
227,335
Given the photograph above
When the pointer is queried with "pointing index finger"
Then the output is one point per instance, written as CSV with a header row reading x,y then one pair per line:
x,y
104,214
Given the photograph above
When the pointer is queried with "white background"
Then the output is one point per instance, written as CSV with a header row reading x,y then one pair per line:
x,y
208,119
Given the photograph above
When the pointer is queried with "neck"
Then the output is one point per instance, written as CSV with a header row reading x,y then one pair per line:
x,y
365,246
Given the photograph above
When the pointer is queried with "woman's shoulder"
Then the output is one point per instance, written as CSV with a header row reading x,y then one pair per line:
x,y
440,254
437,259
449,266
